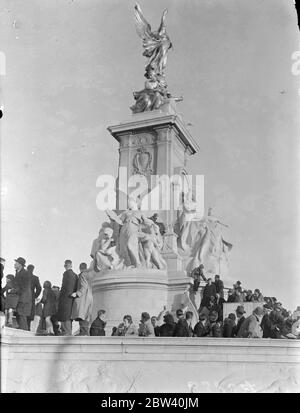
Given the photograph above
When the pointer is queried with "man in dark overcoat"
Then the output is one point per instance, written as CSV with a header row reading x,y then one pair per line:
x,y
219,285
240,311
35,292
23,287
208,291
182,327
65,301
2,302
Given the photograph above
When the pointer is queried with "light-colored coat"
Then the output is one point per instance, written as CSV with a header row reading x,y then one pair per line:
x,y
146,329
131,331
83,303
250,328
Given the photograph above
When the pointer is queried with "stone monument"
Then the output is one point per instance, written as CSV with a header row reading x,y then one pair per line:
x,y
152,270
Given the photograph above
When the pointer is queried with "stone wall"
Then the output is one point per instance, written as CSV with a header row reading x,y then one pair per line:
x,y
136,364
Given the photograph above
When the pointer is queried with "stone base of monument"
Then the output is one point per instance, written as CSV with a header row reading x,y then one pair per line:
x,y
151,365
137,290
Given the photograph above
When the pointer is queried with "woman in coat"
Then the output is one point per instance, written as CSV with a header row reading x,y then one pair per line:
x,y
11,299
49,306
83,303
130,328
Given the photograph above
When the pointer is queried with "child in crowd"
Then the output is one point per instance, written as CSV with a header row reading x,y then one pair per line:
x,y
98,325
49,306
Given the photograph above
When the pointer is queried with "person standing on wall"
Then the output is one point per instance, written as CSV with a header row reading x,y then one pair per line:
x,y
65,301
83,301
23,286
35,292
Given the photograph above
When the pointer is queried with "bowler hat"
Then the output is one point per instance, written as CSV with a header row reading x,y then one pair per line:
x,y
258,311
21,261
240,309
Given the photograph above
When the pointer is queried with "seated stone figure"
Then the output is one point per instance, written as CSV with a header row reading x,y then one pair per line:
x,y
104,251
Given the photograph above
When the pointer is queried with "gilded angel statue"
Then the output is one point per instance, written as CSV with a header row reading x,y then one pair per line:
x,y
156,44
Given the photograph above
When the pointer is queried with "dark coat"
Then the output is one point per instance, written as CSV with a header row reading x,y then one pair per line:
x,y
231,298
22,280
201,330
12,298
166,330
276,324
266,326
228,327
219,287
238,326
215,330
35,292
2,302
208,291
97,327
218,307
65,301
182,329
49,301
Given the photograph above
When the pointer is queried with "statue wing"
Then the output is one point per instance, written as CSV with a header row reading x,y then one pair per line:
x,y
143,28
113,216
163,18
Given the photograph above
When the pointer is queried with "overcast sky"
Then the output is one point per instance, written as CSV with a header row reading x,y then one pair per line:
x,y
71,68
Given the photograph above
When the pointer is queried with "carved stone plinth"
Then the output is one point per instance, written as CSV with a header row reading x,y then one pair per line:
x,y
131,291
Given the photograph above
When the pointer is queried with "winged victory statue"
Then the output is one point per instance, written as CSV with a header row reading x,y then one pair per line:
x,y
156,45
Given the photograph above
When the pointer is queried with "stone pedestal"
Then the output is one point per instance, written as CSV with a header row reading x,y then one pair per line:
x,y
131,291
151,145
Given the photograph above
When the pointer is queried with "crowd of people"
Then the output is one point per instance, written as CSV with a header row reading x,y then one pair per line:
x,y
53,309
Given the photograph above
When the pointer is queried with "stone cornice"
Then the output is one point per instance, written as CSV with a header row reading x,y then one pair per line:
x,y
156,121
145,348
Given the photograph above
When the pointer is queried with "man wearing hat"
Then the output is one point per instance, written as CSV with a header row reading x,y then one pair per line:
x,y
23,286
208,291
251,326
65,301
240,311
266,322
35,292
